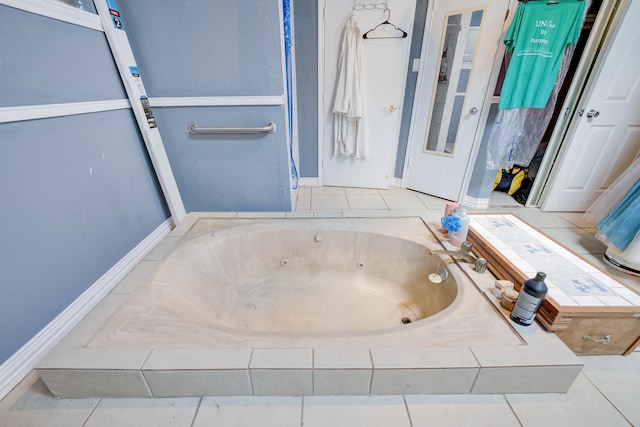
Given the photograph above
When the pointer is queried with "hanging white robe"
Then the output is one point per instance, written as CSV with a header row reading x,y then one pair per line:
x,y
348,105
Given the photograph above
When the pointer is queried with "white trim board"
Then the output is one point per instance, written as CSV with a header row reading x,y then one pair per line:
x,y
308,182
45,111
137,95
475,202
57,10
14,369
214,101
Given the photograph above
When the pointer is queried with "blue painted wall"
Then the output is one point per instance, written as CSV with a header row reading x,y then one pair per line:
x,y
77,192
245,173
45,61
204,48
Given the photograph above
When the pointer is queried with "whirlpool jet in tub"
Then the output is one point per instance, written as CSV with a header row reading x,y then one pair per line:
x,y
299,307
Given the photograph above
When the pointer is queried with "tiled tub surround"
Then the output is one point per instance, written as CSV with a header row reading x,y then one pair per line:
x,y
571,280
468,347
591,311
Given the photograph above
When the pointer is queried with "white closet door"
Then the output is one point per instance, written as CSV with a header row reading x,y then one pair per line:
x,y
606,136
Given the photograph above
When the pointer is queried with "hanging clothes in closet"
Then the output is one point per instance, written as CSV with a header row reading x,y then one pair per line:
x,y
538,36
348,103
540,45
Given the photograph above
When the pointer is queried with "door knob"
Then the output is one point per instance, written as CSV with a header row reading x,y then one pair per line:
x,y
391,108
593,113
473,111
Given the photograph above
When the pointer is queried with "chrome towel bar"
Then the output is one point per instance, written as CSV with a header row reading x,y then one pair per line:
x,y
193,129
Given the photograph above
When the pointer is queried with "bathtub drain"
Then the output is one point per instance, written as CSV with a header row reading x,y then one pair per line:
x,y
406,320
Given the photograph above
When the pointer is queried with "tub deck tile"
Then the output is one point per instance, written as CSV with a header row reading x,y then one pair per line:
x,y
282,382
68,383
188,383
423,381
198,359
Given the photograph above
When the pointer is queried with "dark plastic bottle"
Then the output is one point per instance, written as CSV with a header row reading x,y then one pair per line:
x,y
529,300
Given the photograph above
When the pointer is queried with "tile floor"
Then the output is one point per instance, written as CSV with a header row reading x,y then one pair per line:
x,y
606,393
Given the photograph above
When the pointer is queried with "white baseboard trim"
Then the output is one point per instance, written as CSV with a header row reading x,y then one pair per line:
x,y
307,182
315,182
18,366
475,203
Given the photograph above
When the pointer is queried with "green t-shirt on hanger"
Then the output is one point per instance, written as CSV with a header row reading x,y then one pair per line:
x,y
538,36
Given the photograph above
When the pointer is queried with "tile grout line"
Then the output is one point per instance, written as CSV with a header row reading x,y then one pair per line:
x,y
84,423
406,408
605,397
195,415
513,411
249,373
302,411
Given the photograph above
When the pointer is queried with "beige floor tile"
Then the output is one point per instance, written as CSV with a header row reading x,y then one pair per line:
x,y
392,190
431,202
582,406
304,192
366,201
327,214
576,218
31,404
499,198
618,377
403,201
330,202
249,411
542,220
369,213
408,212
303,203
299,214
355,411
144,412
576,240
315,191
353,190
490,410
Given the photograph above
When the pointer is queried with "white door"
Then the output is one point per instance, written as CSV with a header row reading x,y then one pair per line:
x,y
383,73
606,138
459,46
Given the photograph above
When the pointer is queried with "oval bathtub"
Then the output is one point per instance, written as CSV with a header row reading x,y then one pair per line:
x,y
318,281
293,307
299,282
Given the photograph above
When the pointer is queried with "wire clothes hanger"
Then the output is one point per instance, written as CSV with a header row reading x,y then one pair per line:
x,y
402,34
548,1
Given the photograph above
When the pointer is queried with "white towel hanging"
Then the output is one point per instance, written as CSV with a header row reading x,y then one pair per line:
x,y
348,104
